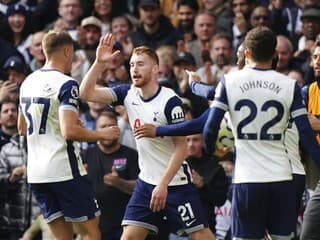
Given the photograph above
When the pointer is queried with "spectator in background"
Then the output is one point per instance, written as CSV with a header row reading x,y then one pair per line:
x,y
121,27
285,54
113,170
16,209
42,17
221,10
7,50
286,19
185,61
298,75
70,12
16,29
221,54
310,28
311,93
204,28
16,72
89,36
223,213
208,177
8,119
260,16
155,29
187,10
167,55
35,49
240,24
89,118
102,9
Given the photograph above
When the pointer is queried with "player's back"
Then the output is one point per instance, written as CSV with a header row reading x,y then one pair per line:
x,y
51,158
259,105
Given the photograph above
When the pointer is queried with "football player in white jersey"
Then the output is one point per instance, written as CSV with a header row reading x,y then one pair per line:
x,y
164,185
49,117
260,102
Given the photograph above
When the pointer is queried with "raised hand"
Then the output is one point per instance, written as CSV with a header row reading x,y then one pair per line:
x,y
193,76
6,88
145,130
104,51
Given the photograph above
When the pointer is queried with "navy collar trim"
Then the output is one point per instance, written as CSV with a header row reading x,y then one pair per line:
x,y
262,69
153,97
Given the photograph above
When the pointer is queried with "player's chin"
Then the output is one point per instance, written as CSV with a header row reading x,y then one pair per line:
x,y
138,83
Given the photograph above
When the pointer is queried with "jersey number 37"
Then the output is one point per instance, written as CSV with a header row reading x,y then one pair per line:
x,y
44,115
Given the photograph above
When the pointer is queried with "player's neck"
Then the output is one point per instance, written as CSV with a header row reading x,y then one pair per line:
x,y
149,90
59,66
266,65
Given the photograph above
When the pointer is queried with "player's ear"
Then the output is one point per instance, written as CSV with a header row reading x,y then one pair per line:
x,y
67,51
247,54
155,69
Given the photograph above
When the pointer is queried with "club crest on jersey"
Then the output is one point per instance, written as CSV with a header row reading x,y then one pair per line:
x,y
74,92
177,114
155,116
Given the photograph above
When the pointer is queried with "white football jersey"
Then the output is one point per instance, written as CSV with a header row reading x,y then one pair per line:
x,y
260,103
154,153
50,157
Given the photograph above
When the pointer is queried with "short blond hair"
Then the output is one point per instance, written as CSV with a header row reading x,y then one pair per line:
x,y
55,40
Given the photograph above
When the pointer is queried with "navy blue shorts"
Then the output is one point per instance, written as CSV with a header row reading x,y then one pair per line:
x,y
183,209
258,208
299,184
73,199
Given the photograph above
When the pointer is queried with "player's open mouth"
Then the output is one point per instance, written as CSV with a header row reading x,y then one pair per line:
x,y
136,77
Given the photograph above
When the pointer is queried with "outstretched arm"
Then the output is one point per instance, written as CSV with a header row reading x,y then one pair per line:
x,y
186,128
88,89
211,128
72,130
202,90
